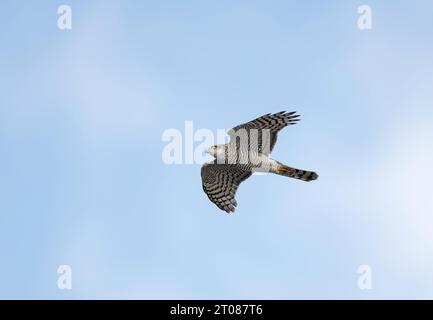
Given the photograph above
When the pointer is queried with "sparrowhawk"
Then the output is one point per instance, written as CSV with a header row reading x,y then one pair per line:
x,y
248,151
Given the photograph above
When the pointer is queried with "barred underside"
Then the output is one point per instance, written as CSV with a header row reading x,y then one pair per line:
x,y
221,181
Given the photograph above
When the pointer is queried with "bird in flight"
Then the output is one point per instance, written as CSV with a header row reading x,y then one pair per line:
x,y
248,151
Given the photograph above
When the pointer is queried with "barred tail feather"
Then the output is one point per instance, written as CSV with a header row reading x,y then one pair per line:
x,y
304,175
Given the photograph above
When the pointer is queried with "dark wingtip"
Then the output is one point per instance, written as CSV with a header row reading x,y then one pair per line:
x,y
229,210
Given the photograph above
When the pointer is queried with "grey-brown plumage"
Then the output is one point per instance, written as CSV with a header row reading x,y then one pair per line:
x,y
272,122
221,181
248,151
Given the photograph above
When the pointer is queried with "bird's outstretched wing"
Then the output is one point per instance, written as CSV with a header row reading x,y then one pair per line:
x,y
272,123
221,181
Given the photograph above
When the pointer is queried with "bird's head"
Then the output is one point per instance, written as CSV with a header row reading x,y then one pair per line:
x,y
215,150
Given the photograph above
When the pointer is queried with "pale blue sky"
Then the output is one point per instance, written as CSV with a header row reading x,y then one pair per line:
x,y
82,181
